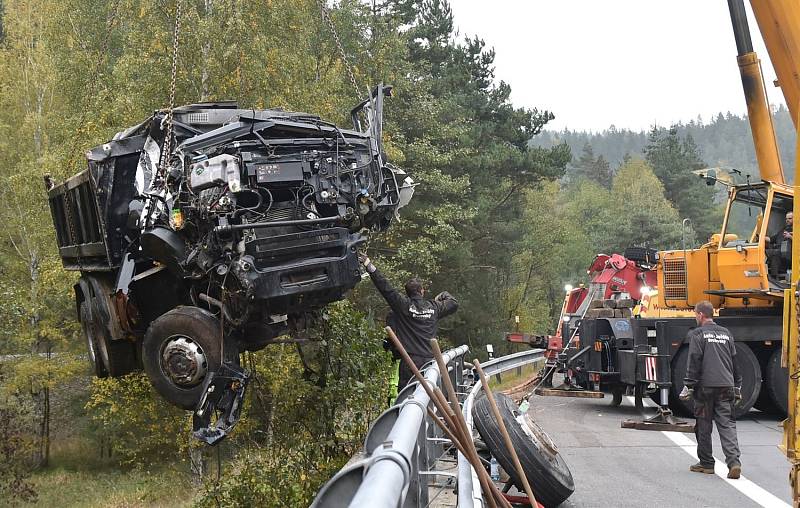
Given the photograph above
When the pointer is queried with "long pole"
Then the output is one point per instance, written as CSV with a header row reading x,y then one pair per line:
x,y
504,431
467,443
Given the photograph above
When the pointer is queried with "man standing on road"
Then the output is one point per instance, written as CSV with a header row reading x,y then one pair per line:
x,y
715,385
413,318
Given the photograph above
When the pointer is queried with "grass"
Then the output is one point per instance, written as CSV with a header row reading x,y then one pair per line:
x,y
78,478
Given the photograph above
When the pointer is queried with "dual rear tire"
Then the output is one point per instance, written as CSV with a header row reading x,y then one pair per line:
x,y
107,357
746,363
180,349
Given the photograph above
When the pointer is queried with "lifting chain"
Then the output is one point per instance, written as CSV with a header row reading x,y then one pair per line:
x,y
167,147
326,17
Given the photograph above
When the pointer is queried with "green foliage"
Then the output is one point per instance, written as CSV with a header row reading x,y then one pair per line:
x,y
467,146
644,215
134,423
591,167
723,140
328,396
15,451
673,159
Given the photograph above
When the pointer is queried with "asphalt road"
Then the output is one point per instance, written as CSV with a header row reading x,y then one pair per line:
x,y
619,467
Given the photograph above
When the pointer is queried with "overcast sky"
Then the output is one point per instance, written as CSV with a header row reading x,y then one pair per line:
x,y
630,63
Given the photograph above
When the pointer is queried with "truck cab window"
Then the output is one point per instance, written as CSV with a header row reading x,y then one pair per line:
x,y
745,217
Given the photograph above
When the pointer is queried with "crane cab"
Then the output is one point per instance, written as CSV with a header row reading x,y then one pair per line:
x,y
746,265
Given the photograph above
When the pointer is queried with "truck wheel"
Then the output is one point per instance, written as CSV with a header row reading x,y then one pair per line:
x,y
746,363
90,332
777,381
179,350
118,357
764,401
544,467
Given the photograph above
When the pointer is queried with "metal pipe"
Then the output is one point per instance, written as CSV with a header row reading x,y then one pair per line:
x,y
278,224
741,31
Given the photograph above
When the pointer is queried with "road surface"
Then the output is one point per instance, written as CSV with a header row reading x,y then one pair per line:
x,y
619,467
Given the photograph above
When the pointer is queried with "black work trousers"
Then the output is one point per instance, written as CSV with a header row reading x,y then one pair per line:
x,y
405,373
715,405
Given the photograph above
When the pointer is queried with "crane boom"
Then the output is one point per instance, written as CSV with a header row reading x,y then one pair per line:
x,y
779,23
755,94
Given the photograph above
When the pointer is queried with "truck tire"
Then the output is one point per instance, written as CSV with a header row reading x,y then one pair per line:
x,y
777,381
90,333
547,473
179,350
117,356
641,255
746,363
764,401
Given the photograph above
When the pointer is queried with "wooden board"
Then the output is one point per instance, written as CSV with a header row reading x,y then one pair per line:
x,y
556,392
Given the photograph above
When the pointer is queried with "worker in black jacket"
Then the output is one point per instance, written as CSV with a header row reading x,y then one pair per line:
x,y
413,318
715,385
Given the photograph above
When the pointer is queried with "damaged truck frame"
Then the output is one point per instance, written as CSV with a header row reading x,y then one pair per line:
x,y
236,237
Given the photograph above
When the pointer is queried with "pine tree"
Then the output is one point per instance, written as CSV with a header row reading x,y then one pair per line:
x,y
593,168
673,158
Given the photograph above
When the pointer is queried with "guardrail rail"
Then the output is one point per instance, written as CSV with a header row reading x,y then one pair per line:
x,y
403,445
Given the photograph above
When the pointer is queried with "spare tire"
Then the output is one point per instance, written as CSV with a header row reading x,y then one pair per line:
x,y
547,473
746,363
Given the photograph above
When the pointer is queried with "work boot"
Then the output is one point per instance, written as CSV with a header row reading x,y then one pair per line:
x,y
734,472
700,468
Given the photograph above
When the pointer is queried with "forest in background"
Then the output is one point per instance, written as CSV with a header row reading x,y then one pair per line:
x,y
723,141
505,214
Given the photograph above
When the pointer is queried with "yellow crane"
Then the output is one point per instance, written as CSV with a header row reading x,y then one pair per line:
x,y
779,22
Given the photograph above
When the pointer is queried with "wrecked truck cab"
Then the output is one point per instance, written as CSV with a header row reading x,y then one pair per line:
x,y
239,234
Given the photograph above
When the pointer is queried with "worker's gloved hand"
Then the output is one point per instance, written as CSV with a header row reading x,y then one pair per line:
x,y
444,295
686,394
364,259
737,394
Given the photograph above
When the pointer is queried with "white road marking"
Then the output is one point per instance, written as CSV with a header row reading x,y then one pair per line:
x,y
757,494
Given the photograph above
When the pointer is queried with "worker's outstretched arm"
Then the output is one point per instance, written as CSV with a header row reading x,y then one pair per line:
x,y
695,364
396,301
445,304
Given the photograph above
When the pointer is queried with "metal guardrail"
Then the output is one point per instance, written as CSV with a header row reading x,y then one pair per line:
x,y
400,445
469,488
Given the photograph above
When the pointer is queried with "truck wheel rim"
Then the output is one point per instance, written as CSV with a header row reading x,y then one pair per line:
x,y
537,435
183,361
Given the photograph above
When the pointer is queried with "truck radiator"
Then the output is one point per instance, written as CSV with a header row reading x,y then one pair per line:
x,y
675,279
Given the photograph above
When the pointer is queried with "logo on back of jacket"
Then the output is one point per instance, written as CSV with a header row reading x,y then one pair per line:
x,y
718,338
420,314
